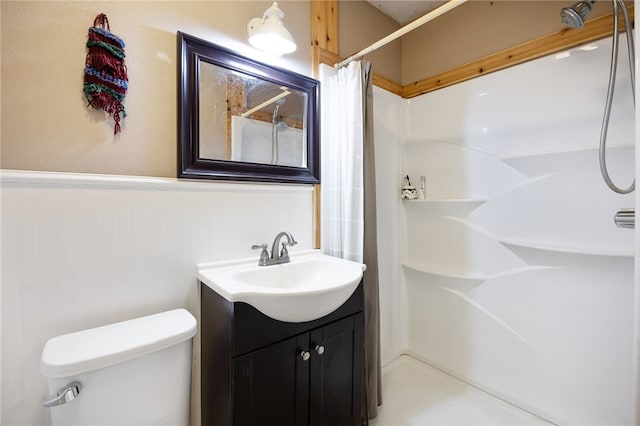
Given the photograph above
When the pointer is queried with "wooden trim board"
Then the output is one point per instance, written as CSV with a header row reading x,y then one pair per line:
x,y
567,38
324,25
322,56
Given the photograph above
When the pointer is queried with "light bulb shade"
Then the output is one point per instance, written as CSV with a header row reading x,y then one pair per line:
x,y
269,33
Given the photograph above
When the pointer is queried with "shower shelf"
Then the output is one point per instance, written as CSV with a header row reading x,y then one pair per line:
x,y
449,201
462,280
447,275
542,163
455,206
567,248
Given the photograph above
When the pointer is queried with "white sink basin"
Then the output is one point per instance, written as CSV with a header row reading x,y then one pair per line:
x,y
309,287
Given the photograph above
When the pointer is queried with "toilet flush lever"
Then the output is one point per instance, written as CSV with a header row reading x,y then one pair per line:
x,y
66,394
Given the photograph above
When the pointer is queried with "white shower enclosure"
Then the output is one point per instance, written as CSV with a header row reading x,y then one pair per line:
x,y
512,275
254,141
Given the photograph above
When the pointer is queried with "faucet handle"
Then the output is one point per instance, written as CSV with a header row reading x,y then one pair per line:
x,y
264,254
284,253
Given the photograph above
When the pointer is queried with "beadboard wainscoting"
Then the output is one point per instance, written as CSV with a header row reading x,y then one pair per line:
x,y
80,251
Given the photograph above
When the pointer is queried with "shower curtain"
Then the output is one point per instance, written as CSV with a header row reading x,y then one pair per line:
x,y
348,197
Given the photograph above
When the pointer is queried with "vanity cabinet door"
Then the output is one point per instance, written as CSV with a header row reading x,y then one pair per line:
x,y
253,372
335,385
314,379
271,385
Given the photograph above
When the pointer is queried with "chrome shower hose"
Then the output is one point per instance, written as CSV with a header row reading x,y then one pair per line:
x,y
612,78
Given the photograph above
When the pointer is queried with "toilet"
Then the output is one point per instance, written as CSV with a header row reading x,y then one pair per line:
x,y
135,372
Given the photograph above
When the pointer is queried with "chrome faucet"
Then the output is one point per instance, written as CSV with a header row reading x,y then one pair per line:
x,y
278,255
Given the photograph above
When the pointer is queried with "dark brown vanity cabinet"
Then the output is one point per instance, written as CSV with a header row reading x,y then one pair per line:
x,y
260,371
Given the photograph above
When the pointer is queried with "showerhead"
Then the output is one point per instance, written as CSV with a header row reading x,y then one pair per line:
x,y
575,15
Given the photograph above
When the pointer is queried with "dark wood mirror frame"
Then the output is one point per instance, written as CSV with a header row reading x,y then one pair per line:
x,y
191,50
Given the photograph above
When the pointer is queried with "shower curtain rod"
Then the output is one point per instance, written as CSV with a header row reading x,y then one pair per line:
x,y
402,31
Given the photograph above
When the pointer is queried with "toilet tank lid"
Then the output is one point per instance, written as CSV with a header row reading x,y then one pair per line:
x,y
100,347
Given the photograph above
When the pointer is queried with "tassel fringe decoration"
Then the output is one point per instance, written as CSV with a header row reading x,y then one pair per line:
x,y
105,74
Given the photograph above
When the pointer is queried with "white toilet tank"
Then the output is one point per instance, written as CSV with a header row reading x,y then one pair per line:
x,y
133,373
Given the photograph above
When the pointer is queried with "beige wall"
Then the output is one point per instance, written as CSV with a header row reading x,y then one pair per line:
x,y
476,29
45,122
47,126
360,24
469,32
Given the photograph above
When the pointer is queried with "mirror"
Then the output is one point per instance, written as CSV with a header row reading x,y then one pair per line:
x,y
243,120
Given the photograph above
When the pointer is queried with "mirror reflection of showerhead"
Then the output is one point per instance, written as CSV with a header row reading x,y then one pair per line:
x,y
278,103
575,15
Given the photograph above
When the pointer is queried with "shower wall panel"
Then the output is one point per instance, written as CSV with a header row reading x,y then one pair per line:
x,y
388,151
517,279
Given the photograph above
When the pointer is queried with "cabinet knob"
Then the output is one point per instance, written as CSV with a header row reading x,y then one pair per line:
x,y
319,349
305,355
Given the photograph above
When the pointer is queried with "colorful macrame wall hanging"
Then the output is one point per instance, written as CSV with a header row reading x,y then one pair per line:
x,y
105,74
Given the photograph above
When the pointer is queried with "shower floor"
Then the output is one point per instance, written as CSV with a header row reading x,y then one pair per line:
x,y
415,393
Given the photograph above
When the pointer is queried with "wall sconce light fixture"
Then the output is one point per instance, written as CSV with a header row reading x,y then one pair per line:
x,y
269,33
